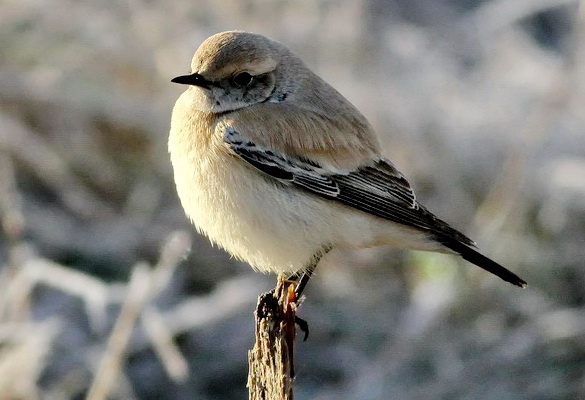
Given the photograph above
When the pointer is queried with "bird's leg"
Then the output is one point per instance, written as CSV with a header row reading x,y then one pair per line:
x,y
303,277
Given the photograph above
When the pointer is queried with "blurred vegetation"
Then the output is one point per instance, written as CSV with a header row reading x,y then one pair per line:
x,y
480,103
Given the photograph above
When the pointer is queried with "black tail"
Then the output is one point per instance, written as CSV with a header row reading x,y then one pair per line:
x,y
475,257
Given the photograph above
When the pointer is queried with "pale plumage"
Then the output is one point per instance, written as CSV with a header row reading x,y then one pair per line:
x,y
277,167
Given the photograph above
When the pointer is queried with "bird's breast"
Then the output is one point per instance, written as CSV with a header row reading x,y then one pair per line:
x,y
254,217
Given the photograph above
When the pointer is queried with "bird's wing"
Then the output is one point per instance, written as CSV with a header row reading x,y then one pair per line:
x,y
378,189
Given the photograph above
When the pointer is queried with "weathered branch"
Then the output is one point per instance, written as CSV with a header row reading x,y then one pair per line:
x,y
271,361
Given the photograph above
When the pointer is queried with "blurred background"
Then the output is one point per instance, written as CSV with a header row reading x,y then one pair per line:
x,y
106,290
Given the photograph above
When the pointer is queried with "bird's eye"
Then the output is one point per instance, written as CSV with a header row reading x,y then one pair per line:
x,y
242,79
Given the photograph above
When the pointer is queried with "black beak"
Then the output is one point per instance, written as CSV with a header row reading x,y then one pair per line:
x,y
193,79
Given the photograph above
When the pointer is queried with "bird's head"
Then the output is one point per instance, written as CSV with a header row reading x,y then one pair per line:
x,y
232,70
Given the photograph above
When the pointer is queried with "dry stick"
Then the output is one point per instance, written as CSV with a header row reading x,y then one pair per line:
x,y
161,339
160,336
271,363
144,285
109,368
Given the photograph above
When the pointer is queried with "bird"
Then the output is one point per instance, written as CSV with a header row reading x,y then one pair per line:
x,y
278,168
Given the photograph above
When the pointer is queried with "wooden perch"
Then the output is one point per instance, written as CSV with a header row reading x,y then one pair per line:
x,y
271,366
